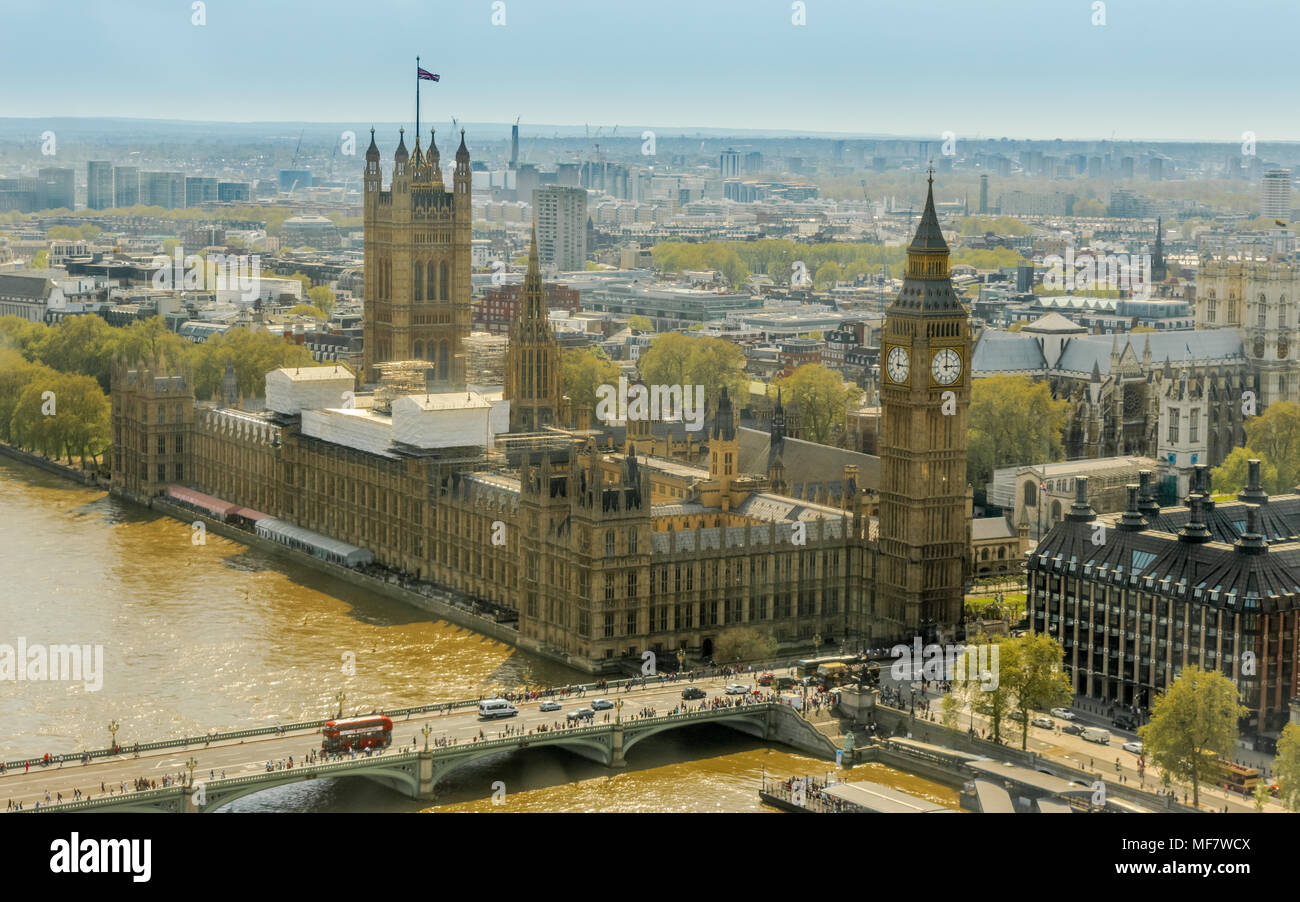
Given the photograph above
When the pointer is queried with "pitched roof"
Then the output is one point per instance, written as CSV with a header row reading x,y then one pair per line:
x,y
1007,352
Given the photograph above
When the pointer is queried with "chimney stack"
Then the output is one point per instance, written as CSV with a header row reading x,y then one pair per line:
x,y
1251,541
1146,496
1253,493
1194,530
1080,511
1132,520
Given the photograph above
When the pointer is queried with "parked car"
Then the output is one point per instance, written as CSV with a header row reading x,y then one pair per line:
x,y
580,714
1045,722
1134,747
602,704
1063,713
693,692
765,679
550,705
1016,716
736,689
1073,729
1097,735
1124,721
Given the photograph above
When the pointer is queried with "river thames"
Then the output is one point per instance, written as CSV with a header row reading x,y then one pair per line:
x,y
221,636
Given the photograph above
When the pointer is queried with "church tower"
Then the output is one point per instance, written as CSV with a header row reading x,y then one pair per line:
x,y
417,262
776,448
925,396
532,358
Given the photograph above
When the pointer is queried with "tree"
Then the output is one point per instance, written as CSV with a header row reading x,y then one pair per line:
x,y
1234,473
1015,327
582,371
1276,436
150,338
640,324
1261,795
80,344
716,363
667,360
254,354
828,274
820,396
998,700
308,310
41,260
1013,420
322,298
743,643
80,423
1193,726
1033,672
1287,766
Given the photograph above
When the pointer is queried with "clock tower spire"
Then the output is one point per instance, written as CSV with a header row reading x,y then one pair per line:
x,y
925,395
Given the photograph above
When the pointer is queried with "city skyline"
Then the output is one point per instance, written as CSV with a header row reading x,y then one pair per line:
x,y
1066,77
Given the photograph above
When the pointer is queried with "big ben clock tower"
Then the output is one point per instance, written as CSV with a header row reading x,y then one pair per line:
x,y
925,394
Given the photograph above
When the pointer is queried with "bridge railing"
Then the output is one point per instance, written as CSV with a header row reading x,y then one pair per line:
x,y
315,725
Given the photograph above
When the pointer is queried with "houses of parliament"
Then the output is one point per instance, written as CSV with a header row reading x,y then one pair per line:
x,y
602,540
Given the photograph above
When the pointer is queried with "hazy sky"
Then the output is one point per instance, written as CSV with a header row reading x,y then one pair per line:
x,y
1174,69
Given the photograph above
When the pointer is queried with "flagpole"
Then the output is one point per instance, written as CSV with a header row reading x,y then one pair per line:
x,y
417,97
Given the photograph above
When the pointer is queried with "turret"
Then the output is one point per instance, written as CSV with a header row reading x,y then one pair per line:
x,y
461,179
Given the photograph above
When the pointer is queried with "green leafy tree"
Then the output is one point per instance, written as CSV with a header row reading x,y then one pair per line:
x,y
821,397
1276,436
150,339
1287,766
308,310
322,298
80,344
41,260
1234,473
1034,675
1193,726
254,354
640,324
743,643
999,699
1013,420
667,360
582,371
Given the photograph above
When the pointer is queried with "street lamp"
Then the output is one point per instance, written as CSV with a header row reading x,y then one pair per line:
x,y
112,732
340,697
817,643
426,730
192,763
618,710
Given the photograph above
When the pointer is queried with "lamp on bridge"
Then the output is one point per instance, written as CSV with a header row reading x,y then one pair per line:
x,y
192,763
618,710
341,697
112,732
426,730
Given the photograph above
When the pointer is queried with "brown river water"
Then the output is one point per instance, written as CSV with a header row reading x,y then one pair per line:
x,y
221,636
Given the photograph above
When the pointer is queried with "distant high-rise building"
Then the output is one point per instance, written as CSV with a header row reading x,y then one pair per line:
x,y
1094,167
514,146
162,189
56,188
1156,169
126,186
233,192
984,194
753,162
729,164
99,184
1126,168
561,218
199,190
1275,194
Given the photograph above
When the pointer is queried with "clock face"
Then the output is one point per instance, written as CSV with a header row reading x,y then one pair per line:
x,y
946,366
897,365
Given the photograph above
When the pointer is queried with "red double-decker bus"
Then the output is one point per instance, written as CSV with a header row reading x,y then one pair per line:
x,y
357,733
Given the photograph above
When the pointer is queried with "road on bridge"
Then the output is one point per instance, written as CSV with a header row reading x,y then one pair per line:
x,y
247,757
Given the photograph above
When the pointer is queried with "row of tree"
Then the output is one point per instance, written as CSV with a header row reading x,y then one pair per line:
x,y
786,262
57,414
1273,438
88,346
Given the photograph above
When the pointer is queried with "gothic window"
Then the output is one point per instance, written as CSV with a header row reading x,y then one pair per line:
x,y
609,543
444,281
1263,313
1194,427
432,275
1173,425
417,280
1031,494
631,541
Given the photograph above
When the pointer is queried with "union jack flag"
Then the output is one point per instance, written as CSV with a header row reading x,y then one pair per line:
x,y
425,74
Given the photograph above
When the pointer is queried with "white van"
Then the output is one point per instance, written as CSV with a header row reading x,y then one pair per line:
x,y
1097,735
496,707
